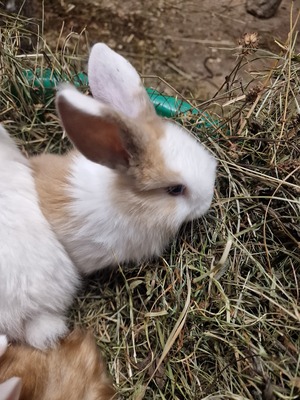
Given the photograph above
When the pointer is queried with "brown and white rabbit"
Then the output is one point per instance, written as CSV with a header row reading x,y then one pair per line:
x,y
120,196
73,370
134,178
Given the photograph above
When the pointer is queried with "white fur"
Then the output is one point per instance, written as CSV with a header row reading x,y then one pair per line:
x,y
196,168
105,236
85,103
38,280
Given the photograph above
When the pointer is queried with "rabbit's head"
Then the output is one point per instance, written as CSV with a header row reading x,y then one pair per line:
x,y
166,172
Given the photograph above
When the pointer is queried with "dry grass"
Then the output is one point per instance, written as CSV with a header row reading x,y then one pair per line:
x,y
218,316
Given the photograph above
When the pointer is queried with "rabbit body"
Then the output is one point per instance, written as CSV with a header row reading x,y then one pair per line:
x,y
74,369
38,280
113,190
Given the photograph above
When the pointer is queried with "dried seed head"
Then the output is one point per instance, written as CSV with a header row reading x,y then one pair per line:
x,y
249,42
253,93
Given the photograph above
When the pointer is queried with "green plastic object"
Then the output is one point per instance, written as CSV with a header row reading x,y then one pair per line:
x,y
171,107
44,82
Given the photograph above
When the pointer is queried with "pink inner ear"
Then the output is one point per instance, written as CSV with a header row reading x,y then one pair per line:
x,y
98,138
100,142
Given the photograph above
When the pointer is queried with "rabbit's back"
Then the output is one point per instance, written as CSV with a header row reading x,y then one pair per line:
x,y
73,370
37,276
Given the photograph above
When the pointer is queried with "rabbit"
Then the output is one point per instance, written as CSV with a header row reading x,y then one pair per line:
x,y
73,369
132,179
38,281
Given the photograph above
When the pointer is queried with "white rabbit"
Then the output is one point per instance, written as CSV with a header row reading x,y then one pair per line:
x,y
37,278
134,178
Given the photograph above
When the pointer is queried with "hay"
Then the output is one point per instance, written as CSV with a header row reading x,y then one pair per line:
x,y
218,316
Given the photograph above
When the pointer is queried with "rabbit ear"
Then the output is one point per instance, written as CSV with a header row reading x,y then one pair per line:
x,y
99,133
3,344
11,389
114,81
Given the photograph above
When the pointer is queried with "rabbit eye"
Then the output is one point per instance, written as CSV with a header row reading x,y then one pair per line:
x,y
176,190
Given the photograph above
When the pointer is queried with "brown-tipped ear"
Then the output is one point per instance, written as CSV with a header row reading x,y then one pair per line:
x,y
95,130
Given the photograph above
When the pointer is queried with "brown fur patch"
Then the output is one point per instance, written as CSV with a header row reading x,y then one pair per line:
x,y
74,370
51,173
148,167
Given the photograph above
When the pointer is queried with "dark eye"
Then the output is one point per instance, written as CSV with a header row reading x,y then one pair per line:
x,y
176,190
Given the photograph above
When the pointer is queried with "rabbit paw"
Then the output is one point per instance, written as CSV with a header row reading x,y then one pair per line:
x,y
44,330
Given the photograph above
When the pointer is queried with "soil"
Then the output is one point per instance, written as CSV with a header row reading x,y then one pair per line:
x,y
187,43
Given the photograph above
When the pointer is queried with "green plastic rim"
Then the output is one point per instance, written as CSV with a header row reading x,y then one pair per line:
x,y
44,83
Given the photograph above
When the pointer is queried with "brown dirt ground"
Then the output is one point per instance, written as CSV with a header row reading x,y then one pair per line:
x,y
185,42
188,43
